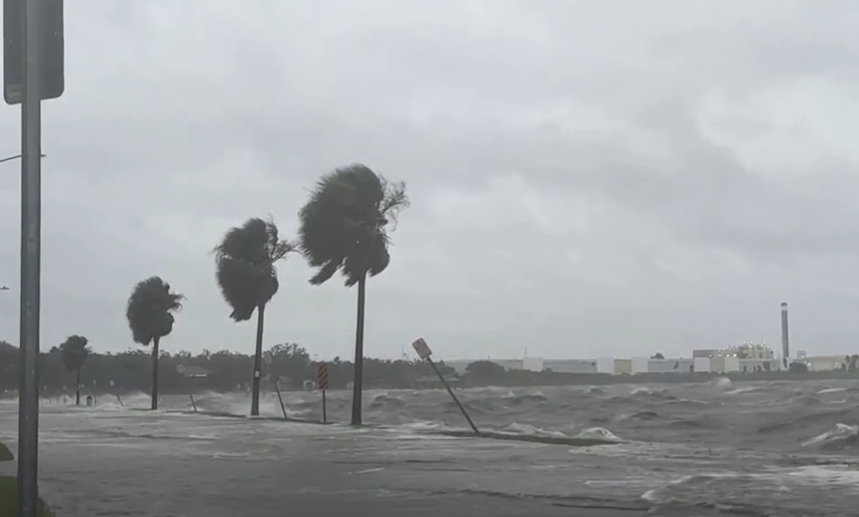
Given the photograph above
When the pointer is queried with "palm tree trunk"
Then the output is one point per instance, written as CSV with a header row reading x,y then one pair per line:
x,y
358,382
155,352
78,389
258,362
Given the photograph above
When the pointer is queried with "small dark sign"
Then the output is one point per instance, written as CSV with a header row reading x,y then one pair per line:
x,y
51,50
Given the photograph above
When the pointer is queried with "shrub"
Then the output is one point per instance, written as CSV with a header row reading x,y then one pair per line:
x,y
5,453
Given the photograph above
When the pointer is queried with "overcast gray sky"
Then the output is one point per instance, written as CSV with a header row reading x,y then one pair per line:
x,y
588,178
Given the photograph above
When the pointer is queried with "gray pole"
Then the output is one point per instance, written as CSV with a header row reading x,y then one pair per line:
x,y
785,343
31,151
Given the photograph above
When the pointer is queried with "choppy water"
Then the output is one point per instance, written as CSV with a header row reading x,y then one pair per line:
x,y
699,449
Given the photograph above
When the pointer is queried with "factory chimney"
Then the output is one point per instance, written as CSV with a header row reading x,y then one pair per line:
x,y
785,342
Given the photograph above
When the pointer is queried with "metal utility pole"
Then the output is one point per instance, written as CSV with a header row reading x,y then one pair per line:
x,y
33,70
31,240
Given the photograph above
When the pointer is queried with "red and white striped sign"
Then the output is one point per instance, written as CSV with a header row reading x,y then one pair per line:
x,y
322,376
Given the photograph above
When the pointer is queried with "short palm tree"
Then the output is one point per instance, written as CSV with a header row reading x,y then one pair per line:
x,y
247,276
344,228
75,353
150,318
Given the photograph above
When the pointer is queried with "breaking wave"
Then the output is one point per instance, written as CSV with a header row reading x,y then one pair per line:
x,y
791,417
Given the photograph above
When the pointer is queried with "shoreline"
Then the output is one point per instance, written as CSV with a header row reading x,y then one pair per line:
x,y
605,379
526,379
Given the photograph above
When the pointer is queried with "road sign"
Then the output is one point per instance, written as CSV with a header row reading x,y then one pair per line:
x,y
51,47
422,348
322,376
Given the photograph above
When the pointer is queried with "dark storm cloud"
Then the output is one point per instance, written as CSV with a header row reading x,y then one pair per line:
x,y
587,177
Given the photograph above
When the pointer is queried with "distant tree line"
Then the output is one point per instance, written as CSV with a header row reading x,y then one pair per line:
x,y
71,365
66,367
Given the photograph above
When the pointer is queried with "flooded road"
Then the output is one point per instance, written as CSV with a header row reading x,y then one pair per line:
x,y
756,450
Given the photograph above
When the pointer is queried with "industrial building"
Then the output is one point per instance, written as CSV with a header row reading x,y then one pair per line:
x,y
719,363
747,357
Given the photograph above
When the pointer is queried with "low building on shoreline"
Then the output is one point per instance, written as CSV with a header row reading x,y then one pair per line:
x,y
744,358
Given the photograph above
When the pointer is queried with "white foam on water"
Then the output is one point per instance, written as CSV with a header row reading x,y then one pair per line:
x,y
422,426
662,494
721,382
838,433
367,471
530,430
598,433
827,476
743,390
831,390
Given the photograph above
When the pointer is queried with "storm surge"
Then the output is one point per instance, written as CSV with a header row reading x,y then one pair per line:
x,y
699,449
785,417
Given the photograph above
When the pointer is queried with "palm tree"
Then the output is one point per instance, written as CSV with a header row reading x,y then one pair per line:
x,y
247,276
75,353
150,318
344,227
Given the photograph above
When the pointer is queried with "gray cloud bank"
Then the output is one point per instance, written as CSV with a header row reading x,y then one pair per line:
x,y
587,178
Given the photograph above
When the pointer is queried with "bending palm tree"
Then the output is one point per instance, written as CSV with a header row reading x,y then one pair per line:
x,y
150,318
247,276
344,227
75,353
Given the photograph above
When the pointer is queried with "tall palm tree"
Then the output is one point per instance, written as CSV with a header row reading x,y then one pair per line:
x,y
150,318
344,228
247,276
75,353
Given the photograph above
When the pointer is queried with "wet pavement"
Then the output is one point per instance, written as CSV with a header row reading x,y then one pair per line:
x,y
114,460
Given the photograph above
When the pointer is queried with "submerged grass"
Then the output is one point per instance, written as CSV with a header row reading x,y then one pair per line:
x,y
9,492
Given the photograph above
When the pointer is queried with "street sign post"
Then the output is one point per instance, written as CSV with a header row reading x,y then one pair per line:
x,y
322,384
51,49
424,352
33,70
280,398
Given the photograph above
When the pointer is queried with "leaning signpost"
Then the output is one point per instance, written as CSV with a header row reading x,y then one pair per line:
x,y
424,352
280,399
33,71
322,384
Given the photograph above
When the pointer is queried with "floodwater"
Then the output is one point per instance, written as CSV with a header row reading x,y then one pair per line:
x,y
778,449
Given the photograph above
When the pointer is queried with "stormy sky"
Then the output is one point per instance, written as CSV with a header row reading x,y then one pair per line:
x,y
587,178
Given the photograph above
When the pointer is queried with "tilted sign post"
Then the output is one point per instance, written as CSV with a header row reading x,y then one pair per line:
x,y
280,399
33,70
322,384
424,352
